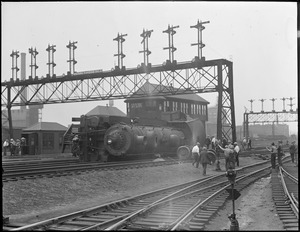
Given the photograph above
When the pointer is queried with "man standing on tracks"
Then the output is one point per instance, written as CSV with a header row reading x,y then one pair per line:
x,y
279,153
195,153
293,151
229,157
236,153
75,146
244,144
218,153
273,151
204,160
5,146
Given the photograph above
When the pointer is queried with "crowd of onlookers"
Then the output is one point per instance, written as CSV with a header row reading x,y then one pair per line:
x,y
277,152
14,147
232,150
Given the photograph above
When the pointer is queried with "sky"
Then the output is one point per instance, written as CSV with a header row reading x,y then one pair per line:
x,y
260,38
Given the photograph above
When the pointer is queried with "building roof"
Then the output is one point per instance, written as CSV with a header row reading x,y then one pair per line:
x,y
106,111
46,126
153,89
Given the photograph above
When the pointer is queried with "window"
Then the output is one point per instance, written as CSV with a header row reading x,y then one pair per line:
x,y
160,107
136,105
150,103
48,140
167,106
175,106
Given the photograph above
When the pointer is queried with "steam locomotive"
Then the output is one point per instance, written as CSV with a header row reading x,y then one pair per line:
x,y
105,138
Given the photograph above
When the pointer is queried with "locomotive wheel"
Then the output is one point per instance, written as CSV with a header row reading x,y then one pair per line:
x,y
183,153
212,155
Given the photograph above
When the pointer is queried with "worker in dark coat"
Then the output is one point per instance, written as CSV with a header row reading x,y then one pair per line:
x,y
279,153
207,141
218,154
204,159
229,157
273,150
23,144
293,151
75,146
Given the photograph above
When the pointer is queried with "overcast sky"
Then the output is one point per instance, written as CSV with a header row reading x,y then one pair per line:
x,y
260,38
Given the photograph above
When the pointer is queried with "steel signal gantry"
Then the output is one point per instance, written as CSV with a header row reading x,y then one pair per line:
x,y
188,77
201,45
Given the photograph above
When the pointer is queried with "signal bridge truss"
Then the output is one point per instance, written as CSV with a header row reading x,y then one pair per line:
x,y
268,117
197,76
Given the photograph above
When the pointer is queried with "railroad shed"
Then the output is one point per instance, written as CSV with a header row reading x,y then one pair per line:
x,y
44,138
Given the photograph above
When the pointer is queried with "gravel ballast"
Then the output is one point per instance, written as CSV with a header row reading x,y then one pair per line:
x,y
34,200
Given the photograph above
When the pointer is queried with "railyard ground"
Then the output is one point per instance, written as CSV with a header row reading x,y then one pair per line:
x,y
33,200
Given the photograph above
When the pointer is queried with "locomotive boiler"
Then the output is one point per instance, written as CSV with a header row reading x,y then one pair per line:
x,y
109,138
123,139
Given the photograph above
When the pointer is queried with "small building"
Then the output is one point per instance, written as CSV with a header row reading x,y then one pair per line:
x,y
44,138
167,107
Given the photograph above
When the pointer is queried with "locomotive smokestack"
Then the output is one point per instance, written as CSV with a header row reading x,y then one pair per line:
x,y
23,96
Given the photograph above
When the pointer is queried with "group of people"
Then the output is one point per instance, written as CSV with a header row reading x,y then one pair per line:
x,y
277,151
231,153
15,147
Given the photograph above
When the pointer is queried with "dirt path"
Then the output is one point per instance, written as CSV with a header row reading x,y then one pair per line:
x,y
254,211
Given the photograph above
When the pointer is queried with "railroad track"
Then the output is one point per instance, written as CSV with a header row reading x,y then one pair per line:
x,y
188,205
57,169
285,195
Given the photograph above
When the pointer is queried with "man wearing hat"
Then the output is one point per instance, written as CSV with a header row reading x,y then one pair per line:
x,y
195,153
292,149
204,159
229,157
279,153
75,146
23,144
12,145
218,153
273,150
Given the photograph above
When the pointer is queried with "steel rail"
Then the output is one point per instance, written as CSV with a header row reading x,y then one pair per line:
x,y
176,225
289,175
83,167
74,215
286,191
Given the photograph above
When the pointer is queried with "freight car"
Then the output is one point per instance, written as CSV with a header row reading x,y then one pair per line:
x,y
109,137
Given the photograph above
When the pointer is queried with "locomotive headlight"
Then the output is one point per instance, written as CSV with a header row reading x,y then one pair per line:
x,y
109,141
